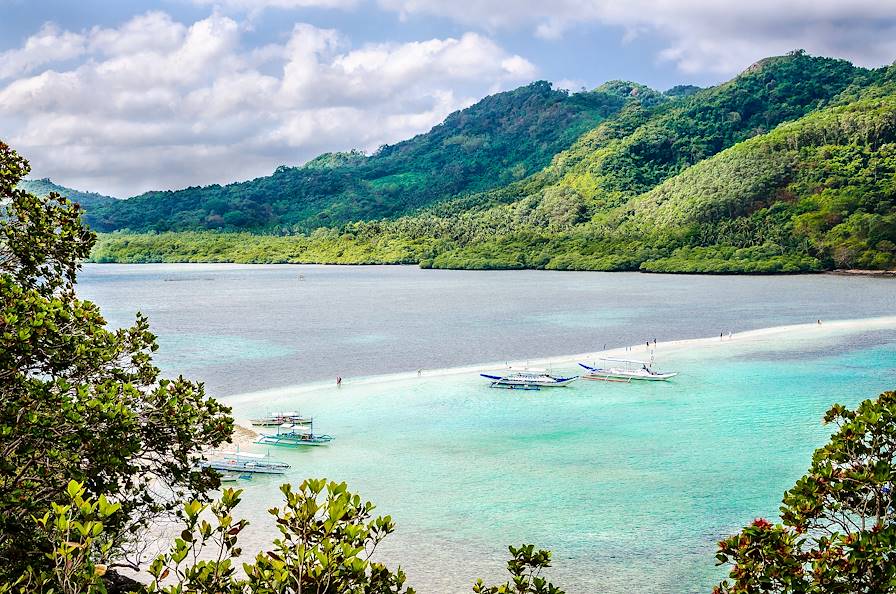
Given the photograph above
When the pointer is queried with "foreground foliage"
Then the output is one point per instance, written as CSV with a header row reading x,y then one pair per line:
x,y
78,401
838,530
327,539
525,567
78,547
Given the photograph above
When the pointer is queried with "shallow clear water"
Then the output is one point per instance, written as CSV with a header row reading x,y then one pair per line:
x,y
629,485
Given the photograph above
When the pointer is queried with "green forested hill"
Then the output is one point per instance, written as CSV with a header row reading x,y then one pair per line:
x,y
43,187
503,138
631,210
640,147
788,167
825,185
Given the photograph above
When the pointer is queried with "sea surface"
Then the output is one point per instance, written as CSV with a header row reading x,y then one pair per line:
x,y
630,485
252,327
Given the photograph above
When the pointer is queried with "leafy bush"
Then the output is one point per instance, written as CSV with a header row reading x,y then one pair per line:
x,y
327,539
79,401
838,530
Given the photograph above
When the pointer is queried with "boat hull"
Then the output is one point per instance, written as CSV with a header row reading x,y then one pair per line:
x,y
624,377
281,421
528,382
293,442
243,468
525,384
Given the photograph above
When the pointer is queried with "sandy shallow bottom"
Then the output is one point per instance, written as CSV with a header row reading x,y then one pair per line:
x,y
631,485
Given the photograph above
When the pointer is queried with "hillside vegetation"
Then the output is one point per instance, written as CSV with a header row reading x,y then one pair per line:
x,y
503,138
43,187
789,167
813,194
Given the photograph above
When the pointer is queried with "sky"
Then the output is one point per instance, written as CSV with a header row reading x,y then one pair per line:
x,y
125,96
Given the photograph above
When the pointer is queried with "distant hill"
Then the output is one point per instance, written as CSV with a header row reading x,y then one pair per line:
x,y
788,167
500,139
43,187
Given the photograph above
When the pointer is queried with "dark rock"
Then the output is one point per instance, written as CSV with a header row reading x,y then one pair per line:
x,y
121,584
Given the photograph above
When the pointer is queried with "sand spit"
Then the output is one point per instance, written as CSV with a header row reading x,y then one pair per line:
x,y
243,436
816,330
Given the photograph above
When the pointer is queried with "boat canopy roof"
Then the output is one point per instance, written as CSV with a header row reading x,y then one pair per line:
x,y
231,454
636,361
297,428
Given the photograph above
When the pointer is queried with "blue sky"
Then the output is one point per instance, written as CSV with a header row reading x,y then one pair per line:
x,y
121,97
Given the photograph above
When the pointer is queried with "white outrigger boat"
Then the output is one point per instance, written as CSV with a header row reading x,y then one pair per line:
x,y
243,462
275,419
528,379
294,435
625,370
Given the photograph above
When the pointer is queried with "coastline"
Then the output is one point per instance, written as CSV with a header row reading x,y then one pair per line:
x,y
861,272
748,338
416,263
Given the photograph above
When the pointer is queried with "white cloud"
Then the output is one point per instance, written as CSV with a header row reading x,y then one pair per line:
x,y
256,6
156,103
701,35
151,31
570,84
47,46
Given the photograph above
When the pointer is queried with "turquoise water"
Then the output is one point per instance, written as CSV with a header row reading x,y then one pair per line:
x,y
631,486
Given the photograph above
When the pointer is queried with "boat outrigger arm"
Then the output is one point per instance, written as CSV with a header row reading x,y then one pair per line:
x,y
631,369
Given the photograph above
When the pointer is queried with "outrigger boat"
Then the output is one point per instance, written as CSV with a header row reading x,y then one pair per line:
x,y
241,462
528,379
625,370
292,435
275,419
